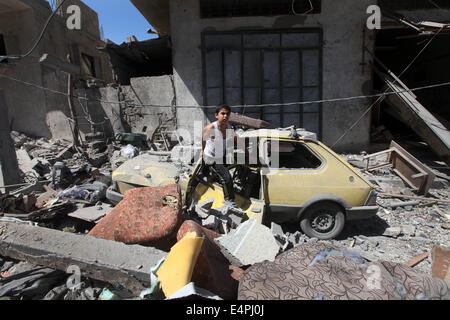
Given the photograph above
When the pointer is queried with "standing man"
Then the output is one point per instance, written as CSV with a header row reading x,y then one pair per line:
x,y
215,138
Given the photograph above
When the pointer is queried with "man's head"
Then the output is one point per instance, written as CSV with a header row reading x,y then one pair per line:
x,y
223,114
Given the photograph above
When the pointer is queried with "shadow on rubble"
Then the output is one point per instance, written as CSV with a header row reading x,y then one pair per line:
x,y
374,226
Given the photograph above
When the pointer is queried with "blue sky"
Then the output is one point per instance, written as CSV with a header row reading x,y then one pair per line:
x,y
120,19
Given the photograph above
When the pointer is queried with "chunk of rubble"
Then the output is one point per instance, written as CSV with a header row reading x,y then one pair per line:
x,y
280,237
408,230
250,243
392,232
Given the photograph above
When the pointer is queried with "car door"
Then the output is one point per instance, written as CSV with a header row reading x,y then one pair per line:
x,y
295,177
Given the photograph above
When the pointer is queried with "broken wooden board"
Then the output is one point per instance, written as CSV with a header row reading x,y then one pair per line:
x,y
241,120
104,260
419,118
413,172
92,214
410,169
411,263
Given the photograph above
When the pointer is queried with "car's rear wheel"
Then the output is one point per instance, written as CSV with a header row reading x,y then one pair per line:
x,y
323,220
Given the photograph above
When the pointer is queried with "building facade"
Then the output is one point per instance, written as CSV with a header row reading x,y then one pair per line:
x,y
32,110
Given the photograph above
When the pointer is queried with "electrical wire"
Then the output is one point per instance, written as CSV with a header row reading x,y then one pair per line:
x,y
376,101
434,4
47,23
379,95
297,14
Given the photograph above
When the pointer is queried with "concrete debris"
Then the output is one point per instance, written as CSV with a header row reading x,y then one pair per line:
x,y
392,232
104,260
280,237
250,243
140,214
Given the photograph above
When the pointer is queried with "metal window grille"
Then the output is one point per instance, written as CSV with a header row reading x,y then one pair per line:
x,y
248,8
265,67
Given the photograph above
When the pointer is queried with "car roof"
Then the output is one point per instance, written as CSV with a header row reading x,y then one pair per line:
x,y
280,133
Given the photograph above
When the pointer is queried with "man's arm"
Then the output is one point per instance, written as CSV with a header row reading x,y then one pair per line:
x,y
205,135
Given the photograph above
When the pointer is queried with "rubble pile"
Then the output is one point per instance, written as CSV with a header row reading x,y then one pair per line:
x,y
212,253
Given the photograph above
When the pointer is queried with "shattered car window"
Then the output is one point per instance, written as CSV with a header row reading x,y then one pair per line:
x,y
294,155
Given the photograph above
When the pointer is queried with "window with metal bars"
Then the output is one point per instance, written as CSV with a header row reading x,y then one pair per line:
x,y
413,4
248,8
255,67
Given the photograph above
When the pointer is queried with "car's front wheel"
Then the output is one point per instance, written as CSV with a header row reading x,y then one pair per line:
x,y
323,220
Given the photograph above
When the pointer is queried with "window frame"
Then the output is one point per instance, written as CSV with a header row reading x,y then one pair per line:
x,y
305,145
281,50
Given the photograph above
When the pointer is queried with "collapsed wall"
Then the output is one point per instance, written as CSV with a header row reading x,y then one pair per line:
x,y
144,106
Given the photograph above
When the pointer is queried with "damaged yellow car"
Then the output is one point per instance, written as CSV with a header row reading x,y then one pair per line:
x,y
309,184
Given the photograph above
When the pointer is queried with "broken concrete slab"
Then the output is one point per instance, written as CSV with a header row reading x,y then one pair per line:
x,y
250,243
408,230
100,259
93,213
392,232
24,161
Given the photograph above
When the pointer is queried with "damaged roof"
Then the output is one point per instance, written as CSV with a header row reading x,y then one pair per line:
x,y
143,52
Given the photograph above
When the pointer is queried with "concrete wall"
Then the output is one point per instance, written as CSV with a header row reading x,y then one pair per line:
x,y
132,108
342,23
9,171
34,111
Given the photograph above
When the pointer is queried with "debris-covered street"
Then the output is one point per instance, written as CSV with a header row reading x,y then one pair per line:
x,y
73,199
246,150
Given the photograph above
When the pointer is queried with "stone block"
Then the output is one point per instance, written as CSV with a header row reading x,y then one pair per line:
x,y
408,230
250,243
99,259
392,232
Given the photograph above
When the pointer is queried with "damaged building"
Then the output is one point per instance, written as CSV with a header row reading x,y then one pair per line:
x,y
102,198
34,111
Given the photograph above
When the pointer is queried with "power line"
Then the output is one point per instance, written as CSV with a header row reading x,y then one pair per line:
x,y
376,101
39,38
434,4
379,95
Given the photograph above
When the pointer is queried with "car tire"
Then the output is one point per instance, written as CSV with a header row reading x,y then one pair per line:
x,y
323,220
